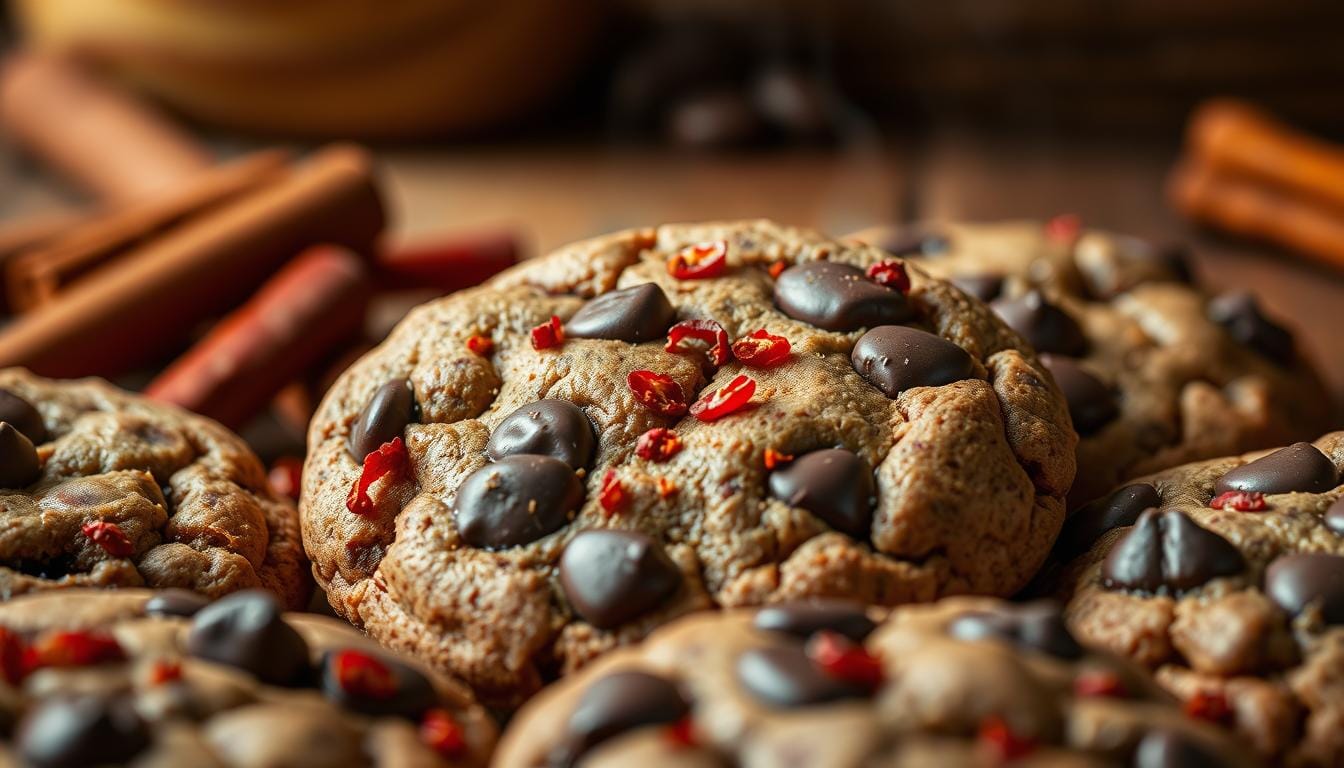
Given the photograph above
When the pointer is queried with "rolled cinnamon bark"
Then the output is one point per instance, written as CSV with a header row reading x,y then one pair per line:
x,y
449,264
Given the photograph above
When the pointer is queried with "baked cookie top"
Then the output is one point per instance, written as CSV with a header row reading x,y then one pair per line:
x,y
165,678
1227,577
103,488
1157,373
963,682
665,420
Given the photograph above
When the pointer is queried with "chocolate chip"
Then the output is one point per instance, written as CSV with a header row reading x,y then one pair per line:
x,y
23,415
19,465
1301,467
515,501
73,732
1297,581
175,602
412,693
1038,626
619,702
1168,749
834,484
1091,403
1168,552
784,676
837,297
982,287
555,428
895,358
1120,508
247,630
385,416
1239,314
636,314
1044,325
804,618
1334,517
916,243
611,577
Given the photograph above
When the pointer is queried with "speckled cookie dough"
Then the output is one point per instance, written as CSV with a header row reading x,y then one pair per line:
x,y
591,445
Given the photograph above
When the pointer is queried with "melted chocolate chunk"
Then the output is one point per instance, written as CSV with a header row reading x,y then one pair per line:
x,y
838,297
616,703
555,428
612,577
895,358
1297,581
515,501
1038,626
1044,325
385,416
982,287
804,618
637,314
1091,403
1334,517
74,732
19,465
1121,508
1168,749
834,484
1239,314
23,415
784,676
175,602
1168,552
247,630
411,696
1301,467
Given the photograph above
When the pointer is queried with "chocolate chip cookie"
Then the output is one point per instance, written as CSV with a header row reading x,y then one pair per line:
x,y
1227,578
107,489
965,682
527,474
168,679
1156,373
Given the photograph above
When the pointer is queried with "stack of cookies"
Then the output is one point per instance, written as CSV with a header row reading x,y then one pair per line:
x,y
712,495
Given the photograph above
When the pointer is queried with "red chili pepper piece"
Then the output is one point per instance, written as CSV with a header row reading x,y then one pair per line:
x,y
390,460
612,497
549,334
1064,228
12,652
484,345
286,476
708,331
73,649
844,660
110,537
725,400
666,488
681,734
441,733
890,273
1099,683
777,269
658,392
164,672
1210,706
1002,742
658,445
1241,501
761,349
774,458
360,674
700,261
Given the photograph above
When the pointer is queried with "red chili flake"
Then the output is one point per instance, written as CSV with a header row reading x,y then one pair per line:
x,y
612,497
549,334
389,460
73,649
700,261
658,445
484,345
441,733
12,652
110,537
666,488
761,349
774,458
1002,742
724,400
843,660
681,734
708,331
1064,228
1099,684
1209,706
890,273
286,476
658,392
777,269
1241,501
360,674
164,672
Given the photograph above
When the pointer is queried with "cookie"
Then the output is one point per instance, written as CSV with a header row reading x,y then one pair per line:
x,y
1227,578
964,682
666,420
1157,373
108,489
165,678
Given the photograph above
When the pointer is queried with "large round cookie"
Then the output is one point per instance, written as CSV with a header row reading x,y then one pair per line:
x,y
965,682
1231,586
507,539
163,679
1157,373
103,488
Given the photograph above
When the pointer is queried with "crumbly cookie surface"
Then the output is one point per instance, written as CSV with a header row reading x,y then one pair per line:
x,y
1231,587
163,678
963,682
104,488
829,481
1157,373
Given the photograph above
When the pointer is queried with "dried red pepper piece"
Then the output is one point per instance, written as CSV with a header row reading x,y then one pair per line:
x,y
73,649
12,652
844,660
761,349
549,334
708,331
725,400
1064,228
1210,706
775,459
613,496
890,273
777,269
658,445
666,488
700,261
164,672
1099,684
658,392
109,536
360,674
1002,743
390,460
1241,501
441,733
484,345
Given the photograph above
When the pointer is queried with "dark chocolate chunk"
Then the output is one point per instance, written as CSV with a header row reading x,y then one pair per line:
x,y
555,428
611,577
784,676
636,314
982,287
1301,467
838,297
1297,581
19,465
1038,626
410,696
1334,517
515,501
1168,552
247,630
175,602
1044,325
1240,315
834,484
74,732
1169,749
1091,403
1121,508
895,358
619,702
804,618
23,415
384,417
